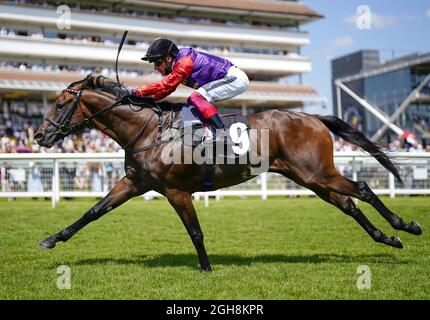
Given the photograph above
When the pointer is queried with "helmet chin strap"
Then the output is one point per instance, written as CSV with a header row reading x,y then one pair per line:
x,y
169,67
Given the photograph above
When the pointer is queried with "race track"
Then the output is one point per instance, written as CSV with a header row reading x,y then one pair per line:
x,y
276,249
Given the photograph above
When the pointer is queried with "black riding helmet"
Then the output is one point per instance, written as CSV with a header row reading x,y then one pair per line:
x,y
159,49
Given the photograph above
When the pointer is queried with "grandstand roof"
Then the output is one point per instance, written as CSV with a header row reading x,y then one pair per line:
x,y
112,25
252,6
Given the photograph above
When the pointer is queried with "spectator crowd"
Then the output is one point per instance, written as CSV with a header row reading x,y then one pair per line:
x,y
83,175
21,140
398,145
34,176
16,139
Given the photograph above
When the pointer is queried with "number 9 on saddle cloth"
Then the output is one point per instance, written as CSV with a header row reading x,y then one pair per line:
x,y
234,138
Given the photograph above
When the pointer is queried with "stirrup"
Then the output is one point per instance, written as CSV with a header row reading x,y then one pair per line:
x,y
213,138
209,140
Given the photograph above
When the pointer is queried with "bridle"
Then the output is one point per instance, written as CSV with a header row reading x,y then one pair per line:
x,y
64,128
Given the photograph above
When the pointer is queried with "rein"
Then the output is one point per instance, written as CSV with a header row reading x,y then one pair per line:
x,y
64,128
157,111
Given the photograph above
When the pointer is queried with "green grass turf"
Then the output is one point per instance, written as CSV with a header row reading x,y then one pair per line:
x,y
276,249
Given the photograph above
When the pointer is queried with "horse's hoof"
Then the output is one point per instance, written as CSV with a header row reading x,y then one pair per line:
x,y
415,228
207,270
47,244
396,242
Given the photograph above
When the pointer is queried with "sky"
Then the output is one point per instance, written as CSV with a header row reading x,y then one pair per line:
x,y
397,28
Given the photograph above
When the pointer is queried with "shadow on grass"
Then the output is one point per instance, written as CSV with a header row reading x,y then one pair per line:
x,y
190,260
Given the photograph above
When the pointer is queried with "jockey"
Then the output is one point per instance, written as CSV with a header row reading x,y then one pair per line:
x,y
214,78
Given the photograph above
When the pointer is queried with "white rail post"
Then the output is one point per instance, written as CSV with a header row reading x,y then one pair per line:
x,y
392,185
206,200
354,169
354,175
57,180
54,181
264,186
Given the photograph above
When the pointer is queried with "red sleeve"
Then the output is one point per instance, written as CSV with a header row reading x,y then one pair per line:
x,y
163,88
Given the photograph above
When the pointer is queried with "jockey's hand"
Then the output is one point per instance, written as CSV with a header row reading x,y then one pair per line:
x,y
121,92
138,93
134,93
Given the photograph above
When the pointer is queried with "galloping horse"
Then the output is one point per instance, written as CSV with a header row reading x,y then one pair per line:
x,y
300,148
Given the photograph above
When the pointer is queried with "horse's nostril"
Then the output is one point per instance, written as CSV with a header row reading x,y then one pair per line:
x,y
38,136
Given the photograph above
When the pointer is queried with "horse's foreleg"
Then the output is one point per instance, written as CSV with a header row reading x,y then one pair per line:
x,y
123,190
183,205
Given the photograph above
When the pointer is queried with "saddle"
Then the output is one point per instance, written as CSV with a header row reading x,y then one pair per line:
x,y
190,127
226,147
194,124
232,147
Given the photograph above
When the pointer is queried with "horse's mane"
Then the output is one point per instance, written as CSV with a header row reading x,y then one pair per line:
x,y
102,83
105,84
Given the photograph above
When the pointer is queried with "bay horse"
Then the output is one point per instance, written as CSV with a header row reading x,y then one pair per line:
x,y
300,148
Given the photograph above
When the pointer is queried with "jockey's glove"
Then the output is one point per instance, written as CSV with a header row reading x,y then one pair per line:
x,y
121,92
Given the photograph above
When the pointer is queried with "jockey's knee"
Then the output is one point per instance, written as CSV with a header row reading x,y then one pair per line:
x,y
204,106
196,98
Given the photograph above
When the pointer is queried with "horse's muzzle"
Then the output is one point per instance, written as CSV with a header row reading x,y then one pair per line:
x,y
46,140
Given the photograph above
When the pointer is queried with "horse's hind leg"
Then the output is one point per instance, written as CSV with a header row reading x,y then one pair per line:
x,y
362,191
124,190
346,204
396,222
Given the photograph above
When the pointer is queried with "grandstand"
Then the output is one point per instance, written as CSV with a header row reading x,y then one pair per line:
x,y
39,59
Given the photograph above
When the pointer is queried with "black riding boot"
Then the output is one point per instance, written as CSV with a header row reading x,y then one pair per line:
x,y
216,123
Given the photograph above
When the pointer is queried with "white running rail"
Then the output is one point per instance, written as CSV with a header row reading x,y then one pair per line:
x,y
72,175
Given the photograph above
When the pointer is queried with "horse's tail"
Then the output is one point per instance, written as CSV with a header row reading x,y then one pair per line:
x,y
354,136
